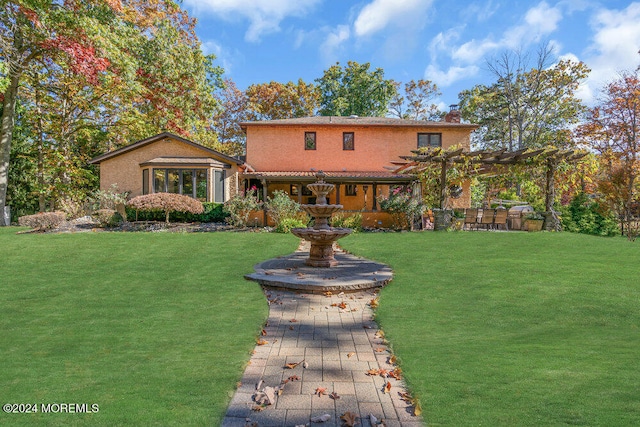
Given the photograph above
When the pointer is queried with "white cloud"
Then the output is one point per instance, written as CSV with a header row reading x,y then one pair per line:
x,y
452,75
334,41
380,14
264,15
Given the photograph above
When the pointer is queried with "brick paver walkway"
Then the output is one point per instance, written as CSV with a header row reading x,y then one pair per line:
x,y
335,343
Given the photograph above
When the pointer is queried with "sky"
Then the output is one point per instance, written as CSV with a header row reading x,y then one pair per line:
x,y
446,42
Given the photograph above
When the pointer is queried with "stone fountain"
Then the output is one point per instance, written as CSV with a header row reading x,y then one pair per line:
x,y
321,236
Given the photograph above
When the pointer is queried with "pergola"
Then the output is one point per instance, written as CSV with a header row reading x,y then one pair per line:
x,y
485,161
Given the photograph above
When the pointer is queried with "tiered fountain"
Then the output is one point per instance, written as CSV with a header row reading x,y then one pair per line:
x,y
321,236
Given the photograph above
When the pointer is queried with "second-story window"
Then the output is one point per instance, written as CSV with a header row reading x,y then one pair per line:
x,y
309,140
429,140
347,141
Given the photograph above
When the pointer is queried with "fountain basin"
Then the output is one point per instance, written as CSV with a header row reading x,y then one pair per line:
x,y
321,252
321,210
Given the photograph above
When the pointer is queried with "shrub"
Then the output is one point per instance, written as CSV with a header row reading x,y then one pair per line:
x,y
587,216
109,199
402,206
287,224
43,220
282,208
240,206
212,212
167,203
344,220
107,217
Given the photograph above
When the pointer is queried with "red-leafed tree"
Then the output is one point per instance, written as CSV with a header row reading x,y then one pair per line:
x,y
613,130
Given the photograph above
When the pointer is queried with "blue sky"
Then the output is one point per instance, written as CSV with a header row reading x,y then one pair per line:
x,y
447,42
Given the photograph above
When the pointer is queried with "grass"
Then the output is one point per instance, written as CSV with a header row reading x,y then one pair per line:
x,y
514,328
156,328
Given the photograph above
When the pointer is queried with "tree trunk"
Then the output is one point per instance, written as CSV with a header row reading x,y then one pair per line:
x,y
6,135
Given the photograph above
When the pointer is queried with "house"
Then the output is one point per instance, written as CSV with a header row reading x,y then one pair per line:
x,y
355,153
170,163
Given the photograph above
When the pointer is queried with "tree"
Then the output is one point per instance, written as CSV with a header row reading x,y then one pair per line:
x,y
527,107
227,119
416,104
613,130
272,101
354,90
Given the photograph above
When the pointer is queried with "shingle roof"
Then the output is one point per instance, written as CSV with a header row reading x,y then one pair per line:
x,y
355,121
159,137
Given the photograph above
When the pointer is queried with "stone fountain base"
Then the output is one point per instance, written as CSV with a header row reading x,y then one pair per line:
x,y
321,241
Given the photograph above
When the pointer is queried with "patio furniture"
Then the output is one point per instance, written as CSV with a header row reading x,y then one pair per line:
x,y
487,218
470,218
500,219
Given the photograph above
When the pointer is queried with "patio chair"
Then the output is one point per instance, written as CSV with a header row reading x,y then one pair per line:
x,y
500,220
487,218
470,218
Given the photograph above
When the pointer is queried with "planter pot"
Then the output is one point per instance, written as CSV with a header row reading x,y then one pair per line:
x,y
533,224
457,224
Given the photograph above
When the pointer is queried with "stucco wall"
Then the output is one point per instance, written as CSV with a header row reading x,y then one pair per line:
x,y
125,170
281,148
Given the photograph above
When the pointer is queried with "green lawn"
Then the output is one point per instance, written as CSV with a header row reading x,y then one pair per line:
x,y
503,329
156,328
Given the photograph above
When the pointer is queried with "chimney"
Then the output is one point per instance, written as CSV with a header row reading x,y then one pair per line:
x,y
453,116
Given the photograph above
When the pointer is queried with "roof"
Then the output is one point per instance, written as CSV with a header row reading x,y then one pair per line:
x,y
330,176
160,137
184,161
355,121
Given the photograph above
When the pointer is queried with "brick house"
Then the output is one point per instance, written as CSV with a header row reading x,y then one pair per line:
x,y
170,163
356,154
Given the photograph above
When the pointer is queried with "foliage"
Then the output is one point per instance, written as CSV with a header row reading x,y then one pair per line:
x,y
535,216
107,217
286,224
271,101
43,220
281,207
417,103
226,121
527,107
584,215
354,90
347,220
240,206
212,212
403,207
110,198
613,130
167,203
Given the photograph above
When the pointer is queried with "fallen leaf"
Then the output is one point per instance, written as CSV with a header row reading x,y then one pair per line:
x,y
293,320
334,396
374,303
379,350
342,305
264,333
383,373
291,365
320,391
373,372
396,373
291,328
380,334
328,293
349,418
387,387
405,396
417,409
351,354
321,419
239,384
392,359
258,408
261,342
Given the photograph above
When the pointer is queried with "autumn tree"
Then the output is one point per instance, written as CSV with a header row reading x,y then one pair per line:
x,y
613,130
355,90
416,104
529,106
272,101
226,121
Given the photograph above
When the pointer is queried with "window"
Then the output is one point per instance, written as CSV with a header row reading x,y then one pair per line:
x,y
145,181
218,186
190,182
309,140
429,140
351,190
347,141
